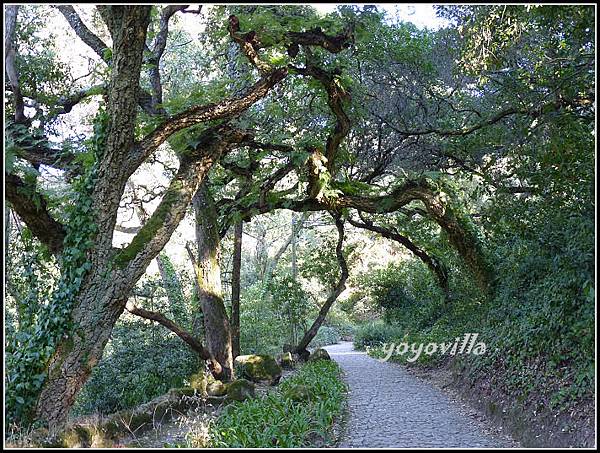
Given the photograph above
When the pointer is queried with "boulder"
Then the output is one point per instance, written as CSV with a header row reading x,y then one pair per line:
x,y
240,389
286,360
319,354
216,388
199,381
259,368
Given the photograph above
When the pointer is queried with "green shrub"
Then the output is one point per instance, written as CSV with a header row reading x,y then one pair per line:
x,y
374,334
135,370
538,328
326,335
281,420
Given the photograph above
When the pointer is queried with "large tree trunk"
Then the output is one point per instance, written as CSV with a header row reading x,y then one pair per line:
x,y
235,288
98,307
216,323
105,291
103,294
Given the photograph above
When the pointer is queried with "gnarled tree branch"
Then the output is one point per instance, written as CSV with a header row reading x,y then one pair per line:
x,y
221,110
33,210
434,264
437,208
191,341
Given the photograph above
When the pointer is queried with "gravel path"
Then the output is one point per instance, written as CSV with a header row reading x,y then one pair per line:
x,y
391,408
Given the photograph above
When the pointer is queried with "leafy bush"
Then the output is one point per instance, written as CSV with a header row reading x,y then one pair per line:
x,y
260,328
277,420
136,368
326,335
269,320
375,334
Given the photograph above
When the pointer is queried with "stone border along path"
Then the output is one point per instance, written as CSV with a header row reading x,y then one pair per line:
x,y
391,408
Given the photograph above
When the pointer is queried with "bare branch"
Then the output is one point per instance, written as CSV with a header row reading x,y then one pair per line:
x,y
191,341
84,33
535,111
160,41
127,230
249,44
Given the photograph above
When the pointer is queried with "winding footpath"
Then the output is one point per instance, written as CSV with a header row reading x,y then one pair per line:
x,y
391,408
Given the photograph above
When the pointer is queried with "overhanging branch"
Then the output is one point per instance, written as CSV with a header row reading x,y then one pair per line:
x,y
434,264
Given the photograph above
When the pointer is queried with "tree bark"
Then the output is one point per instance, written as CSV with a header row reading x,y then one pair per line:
x,y
235,288
216,323
102,297
10,23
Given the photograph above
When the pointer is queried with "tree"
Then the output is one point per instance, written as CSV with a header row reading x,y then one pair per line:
x,y
96,279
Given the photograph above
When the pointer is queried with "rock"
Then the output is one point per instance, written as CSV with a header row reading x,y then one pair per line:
x,y
200,381
259,368
298,392
319,354
216,388
240,389
286,360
